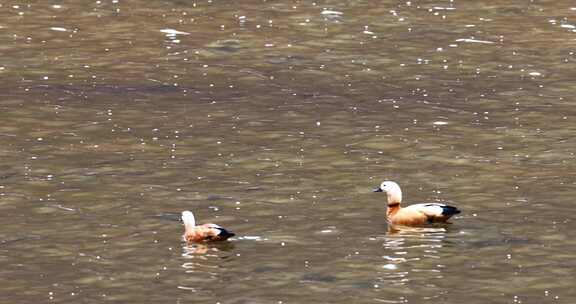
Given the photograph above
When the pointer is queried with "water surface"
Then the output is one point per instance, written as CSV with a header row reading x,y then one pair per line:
x,y
275,119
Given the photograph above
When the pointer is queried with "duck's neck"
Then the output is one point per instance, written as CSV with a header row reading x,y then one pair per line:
x,y
392,209
394,197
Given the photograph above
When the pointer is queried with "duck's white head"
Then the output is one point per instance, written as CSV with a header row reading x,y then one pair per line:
x,y
392,190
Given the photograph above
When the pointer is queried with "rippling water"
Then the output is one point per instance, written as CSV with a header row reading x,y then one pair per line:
x,y
275,119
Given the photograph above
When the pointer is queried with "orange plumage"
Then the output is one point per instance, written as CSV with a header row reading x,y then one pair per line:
x,y
202,233
413,215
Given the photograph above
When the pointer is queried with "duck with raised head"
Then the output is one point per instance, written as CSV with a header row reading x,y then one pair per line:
x,y
413,215
202,233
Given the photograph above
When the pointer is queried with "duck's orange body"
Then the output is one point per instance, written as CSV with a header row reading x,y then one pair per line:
x,y
413,215
202,233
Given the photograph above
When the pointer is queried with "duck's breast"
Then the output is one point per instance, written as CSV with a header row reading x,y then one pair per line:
x,y
194,235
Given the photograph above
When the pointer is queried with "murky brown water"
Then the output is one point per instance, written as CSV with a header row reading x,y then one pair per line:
x,y
276,119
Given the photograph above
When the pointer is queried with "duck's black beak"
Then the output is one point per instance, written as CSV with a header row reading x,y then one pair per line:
x,y
378,189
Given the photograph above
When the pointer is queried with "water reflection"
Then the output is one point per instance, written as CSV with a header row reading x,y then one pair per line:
x,y
197,250
413,253
406,240
410,265
202,264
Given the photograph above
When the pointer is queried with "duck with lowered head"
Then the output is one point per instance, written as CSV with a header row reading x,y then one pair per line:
x,y
202,233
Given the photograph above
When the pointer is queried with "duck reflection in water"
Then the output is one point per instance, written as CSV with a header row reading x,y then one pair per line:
x,y
192,249
410,250
204,262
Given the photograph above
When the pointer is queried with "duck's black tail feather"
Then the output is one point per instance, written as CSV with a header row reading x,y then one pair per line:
x,y
449,210
225,234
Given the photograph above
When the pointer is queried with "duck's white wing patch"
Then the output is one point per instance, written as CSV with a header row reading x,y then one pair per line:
x,y
429,209
213,226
